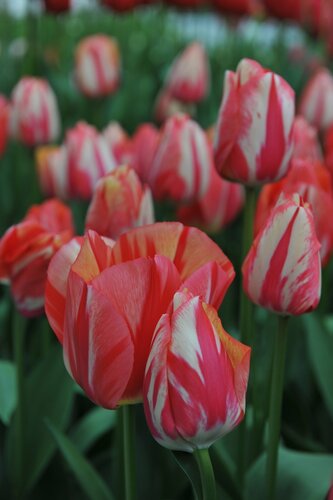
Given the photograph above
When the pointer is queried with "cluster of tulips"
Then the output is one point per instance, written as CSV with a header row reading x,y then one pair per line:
x,y
134,302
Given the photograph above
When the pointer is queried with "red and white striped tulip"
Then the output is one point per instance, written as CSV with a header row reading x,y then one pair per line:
x,y
111,295
120,202
119,143
306,141
316,103
4,116
26,250
189,76
52,171
97,65
186,404
34,117
220,205
282,271
89,158
144,144
253,142
182,163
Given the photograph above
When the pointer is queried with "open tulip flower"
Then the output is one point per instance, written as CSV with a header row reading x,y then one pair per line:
x,y
97,65
34,116
253,141
196,377
4,114
282,271
120,202
26,250
312,181
182,162
105,298
316,103
189,76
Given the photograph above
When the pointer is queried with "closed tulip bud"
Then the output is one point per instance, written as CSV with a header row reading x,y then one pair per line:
x,y
316,103
196,377
26,250
57,6
306,142
97,65
4,115
89,159
253,142
111,295
52,171
120,202
181,166
144,144
188,78
119,143
282,271
167,106
34,117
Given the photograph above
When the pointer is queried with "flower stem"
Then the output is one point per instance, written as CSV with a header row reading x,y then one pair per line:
x,y
128,416
18,347
279,357
206,474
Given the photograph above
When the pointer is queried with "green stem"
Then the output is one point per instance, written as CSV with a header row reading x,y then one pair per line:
x,y
18,346
246,318
128,415
279,357
206,474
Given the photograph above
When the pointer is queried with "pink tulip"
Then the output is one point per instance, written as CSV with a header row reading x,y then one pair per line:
x,y
187,405
306,141
119,143
316,103
144,144
34,117
120,202
253,142
97,65
282,271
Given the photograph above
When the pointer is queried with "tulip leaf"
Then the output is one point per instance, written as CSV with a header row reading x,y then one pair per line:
x,y
188,464
48,394
91,483
91,427
320,347
7,390
300,475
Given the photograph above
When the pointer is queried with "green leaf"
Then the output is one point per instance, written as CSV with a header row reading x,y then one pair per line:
x,y
188,464
48,394
300,476
91,427
320,347
90,482
7,390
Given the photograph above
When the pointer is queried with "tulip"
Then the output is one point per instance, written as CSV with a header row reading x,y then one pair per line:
x,y
182,162
57,6
97,65
285,9
144,144
51,163
120,202
88,157
121,5
4,112
328,146
306,142
119,143
185,3
26,250
253,142
237,6
311,181
188,78
220,205
34,115
187,405
282,271
316,103
167,106
104,299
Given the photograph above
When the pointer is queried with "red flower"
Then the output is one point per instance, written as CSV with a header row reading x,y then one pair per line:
x,y
238,6
26,250
57,6
306,141
167,106
144,144
119,143
282,271
253,142
104,299
316,103
121,5
4,115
